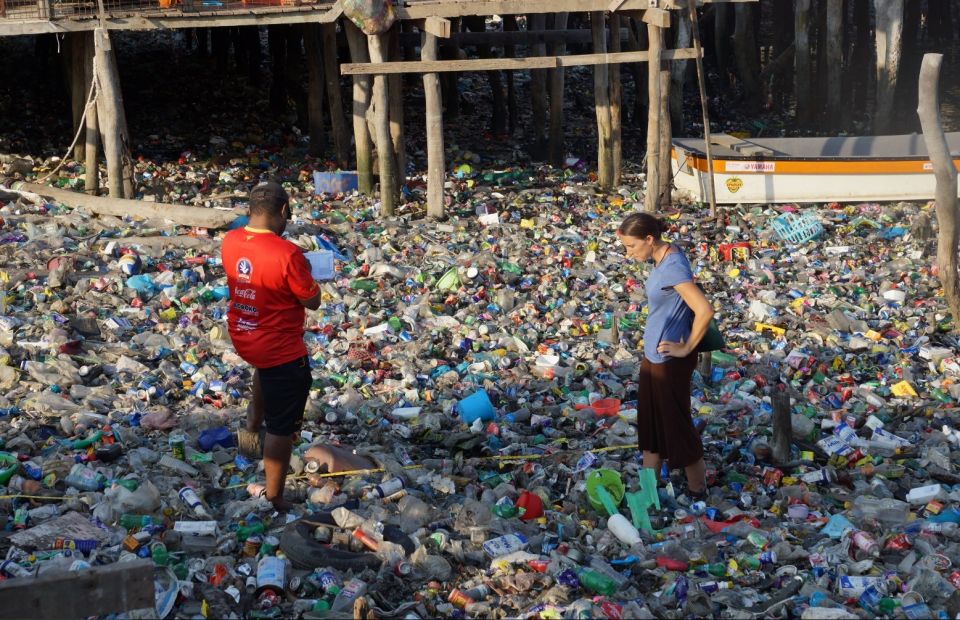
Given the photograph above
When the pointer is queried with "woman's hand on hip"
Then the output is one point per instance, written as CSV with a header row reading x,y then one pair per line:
x,y
673,349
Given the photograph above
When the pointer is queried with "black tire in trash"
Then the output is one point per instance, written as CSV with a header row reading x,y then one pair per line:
x,y
298,544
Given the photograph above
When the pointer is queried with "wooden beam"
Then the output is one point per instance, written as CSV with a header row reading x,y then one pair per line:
x,y
499,64
434,111
437,26
110,114
97,591
463,8
502,38
184,215
395,88
169,20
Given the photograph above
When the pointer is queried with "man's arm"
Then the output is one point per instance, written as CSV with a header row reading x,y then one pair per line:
x,y
313,303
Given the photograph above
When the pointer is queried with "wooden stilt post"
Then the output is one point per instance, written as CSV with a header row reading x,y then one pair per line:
x,y
509,51
782,425
601,94
616,96
538,91
702,85
381,108
91,183
704,367
651,201
362,87
315,88
112,119
331,72
434,107
395,88
79,86
557,77
664,197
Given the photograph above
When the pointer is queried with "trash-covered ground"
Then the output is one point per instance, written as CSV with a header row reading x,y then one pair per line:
x,y
121,395
488,362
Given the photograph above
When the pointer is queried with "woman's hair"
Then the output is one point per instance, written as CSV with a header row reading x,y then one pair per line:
x,y
640,225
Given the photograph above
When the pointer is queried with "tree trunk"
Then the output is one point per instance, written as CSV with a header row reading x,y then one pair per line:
x,y
434,109
889,38
946,175
331,72
557,78
651,202
601,93
362,88
378,46
834,63
802,87
745,46
538,92
679,70
315,88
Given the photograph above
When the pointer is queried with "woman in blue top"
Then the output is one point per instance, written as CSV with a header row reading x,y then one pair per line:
x,y
678,318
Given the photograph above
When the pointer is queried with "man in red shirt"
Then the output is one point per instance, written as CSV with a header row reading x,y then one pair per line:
x,y
270,285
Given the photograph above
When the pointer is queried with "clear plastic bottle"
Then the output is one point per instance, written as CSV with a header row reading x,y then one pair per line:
x,y
352,590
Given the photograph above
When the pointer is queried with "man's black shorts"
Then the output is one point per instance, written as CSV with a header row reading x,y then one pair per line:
x,y
285,389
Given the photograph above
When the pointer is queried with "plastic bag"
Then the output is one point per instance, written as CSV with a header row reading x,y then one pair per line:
x,y
370,16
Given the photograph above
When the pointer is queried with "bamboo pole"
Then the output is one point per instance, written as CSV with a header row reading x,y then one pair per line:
x,y
377,45
651,203
362,86
704,108
434,109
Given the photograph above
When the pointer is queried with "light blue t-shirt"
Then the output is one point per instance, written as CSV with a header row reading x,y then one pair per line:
x,y
669,317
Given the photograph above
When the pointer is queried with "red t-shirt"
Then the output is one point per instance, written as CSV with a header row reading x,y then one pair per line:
x,y
267,276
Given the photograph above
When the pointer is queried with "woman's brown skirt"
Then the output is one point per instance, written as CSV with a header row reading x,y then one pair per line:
x,y
664,424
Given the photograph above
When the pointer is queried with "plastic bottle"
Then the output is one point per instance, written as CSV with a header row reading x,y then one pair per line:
x,y
189,497
504,545
130,521
596,583
385,489
85,479
352,590
621,527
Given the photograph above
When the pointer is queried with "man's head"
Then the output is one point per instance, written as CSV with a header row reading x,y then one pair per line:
x,y
270,206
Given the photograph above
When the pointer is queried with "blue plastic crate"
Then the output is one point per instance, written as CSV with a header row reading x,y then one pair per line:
x,y
797,228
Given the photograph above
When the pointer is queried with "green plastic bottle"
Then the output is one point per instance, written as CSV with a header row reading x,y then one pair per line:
x,y
159,553
246,530
131,521
364,284
594,582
